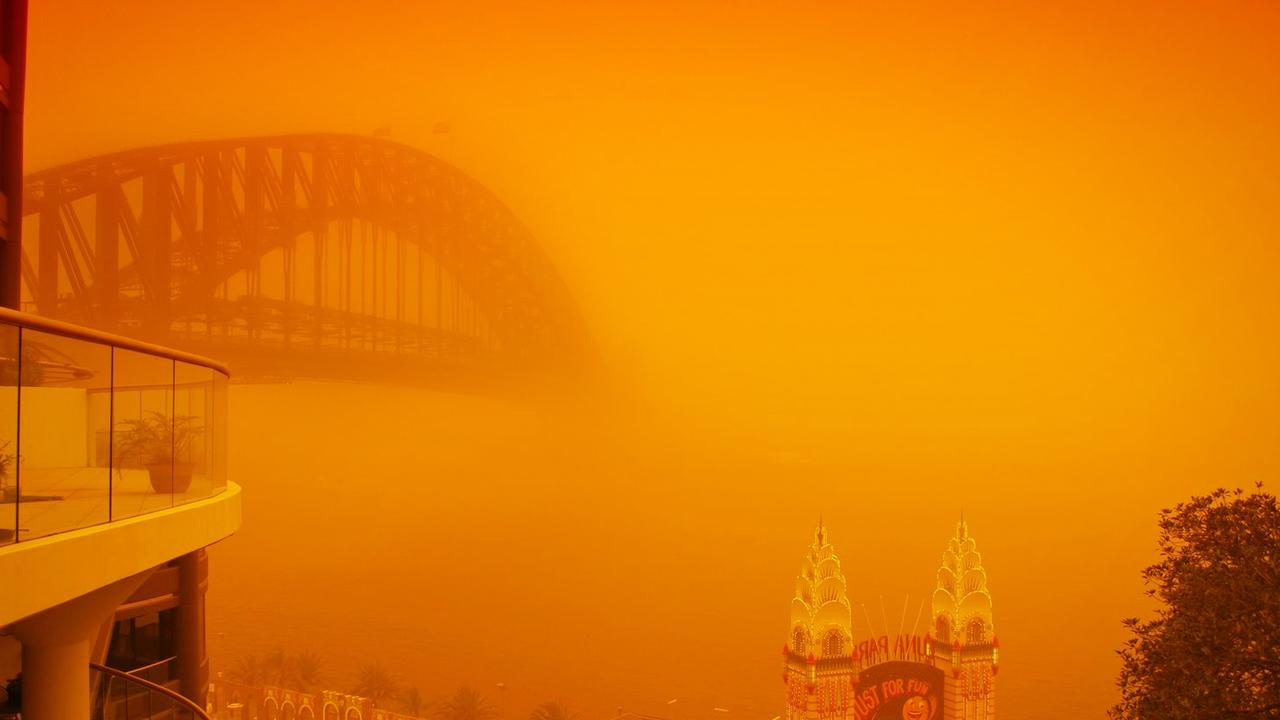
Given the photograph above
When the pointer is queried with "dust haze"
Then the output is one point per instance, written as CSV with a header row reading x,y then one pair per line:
x,y
879,263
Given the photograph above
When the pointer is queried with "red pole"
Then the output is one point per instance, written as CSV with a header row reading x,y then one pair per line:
x,y
13,70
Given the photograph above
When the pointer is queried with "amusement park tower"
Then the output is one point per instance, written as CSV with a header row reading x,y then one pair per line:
x,y
963,630
946,674
819,670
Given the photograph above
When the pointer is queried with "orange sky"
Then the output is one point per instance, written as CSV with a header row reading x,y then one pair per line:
x,y
978,206
1021,255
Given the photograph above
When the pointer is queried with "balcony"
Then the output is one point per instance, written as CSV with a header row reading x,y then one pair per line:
x,y
96,428
113,463
119,695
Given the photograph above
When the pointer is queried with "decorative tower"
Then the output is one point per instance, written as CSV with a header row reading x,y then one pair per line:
x,y
963,631
818,669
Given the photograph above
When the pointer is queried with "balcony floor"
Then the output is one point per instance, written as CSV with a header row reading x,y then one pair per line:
x,y
83,499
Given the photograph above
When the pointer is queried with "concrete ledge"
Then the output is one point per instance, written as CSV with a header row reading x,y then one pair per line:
x,y
39,574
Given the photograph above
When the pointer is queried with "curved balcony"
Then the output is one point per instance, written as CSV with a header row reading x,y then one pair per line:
x,y
118,695
113,460
96,428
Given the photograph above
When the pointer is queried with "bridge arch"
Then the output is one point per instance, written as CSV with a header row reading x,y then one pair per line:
x,y
334,245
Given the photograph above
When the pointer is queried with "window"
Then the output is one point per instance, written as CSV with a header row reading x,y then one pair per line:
x,y
798,644
975,632
833,644
142,641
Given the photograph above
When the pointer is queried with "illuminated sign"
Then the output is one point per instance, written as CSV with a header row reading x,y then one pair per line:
x,y
908,648
899,690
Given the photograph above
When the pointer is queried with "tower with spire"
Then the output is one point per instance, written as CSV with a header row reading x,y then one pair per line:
x,y
964,631
818,655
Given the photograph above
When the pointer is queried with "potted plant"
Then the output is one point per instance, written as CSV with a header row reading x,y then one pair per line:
x,y
7,459
161,445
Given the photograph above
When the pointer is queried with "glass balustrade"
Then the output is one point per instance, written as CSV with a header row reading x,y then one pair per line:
x,y
117,695
96,428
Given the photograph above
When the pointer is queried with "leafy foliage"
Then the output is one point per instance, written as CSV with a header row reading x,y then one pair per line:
x,y
307,671
1213,650
466,704
552,711
277,667
247,671
412,702
154,439
7,460
376,683
301,671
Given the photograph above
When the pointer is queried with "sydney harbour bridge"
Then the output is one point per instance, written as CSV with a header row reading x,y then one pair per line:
x,y
326,256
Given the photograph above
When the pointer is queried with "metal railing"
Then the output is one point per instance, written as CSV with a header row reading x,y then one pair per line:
x,y
96,427
118,695
160,671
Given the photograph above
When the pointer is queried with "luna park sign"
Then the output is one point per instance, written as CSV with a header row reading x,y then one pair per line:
x,y
907,648
899,690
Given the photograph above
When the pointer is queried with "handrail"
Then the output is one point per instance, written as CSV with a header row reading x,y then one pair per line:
x,y
176,697
65,329
152,666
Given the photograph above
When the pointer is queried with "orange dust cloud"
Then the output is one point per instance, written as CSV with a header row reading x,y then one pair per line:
x,y
880,261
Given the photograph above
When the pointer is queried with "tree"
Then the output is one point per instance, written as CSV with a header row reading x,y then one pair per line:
x,y
247,671
412,702
552,711
1213,649
307,671
277,667
376,683
466,704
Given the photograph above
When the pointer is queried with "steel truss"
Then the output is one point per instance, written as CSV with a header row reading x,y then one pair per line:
x,y
302,246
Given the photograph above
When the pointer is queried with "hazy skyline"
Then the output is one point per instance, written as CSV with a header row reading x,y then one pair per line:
x,y
875,261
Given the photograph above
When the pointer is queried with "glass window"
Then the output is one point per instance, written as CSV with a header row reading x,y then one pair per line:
x,y
8,434
142,641
61,413
142,434
193,420
218,431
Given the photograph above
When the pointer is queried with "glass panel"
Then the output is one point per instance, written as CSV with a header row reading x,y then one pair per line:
x,y
142,434
61,486
193,420
8,434
219,431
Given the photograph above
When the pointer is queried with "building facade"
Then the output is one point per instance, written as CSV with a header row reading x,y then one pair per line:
x,y
229,700
832,672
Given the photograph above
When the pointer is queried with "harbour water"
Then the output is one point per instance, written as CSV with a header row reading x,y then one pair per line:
x,y
616,562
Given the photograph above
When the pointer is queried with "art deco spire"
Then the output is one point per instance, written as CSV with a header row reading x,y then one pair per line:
x,y
961,601
820,615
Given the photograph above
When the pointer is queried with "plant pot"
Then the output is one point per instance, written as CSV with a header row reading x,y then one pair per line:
x,y
171,477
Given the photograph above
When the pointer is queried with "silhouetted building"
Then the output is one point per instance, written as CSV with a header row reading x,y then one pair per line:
x,y
946,674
